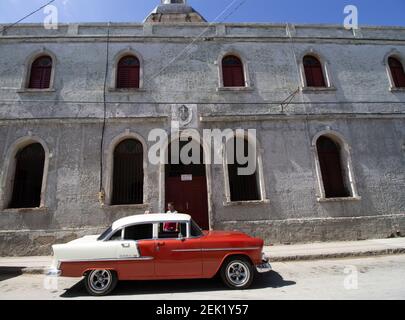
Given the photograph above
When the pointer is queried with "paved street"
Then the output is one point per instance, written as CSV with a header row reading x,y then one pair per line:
x,y
375,278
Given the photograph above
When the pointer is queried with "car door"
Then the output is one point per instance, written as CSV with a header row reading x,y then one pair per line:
x,y
136,252
177,257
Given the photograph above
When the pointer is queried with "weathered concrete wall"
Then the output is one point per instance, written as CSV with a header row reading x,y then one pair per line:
x,y
361,108
322,229
292,214
38,242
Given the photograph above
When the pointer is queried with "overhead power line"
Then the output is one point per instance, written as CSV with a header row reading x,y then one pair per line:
x,y
189,46
27,16
171,102
101,191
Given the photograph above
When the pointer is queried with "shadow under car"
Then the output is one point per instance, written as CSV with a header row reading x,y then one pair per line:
x,y
271,279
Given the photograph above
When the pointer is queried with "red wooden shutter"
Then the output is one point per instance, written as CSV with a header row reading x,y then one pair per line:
x,y
397,72
313,72
41,70
128,72
227,76
232,70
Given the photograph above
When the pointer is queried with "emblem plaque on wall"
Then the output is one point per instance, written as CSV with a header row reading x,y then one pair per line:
x,y
185,115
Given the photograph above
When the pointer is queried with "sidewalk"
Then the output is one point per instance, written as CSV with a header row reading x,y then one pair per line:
x,y
278,253
331,250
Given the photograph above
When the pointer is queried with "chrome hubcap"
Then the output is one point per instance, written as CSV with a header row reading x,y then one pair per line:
x,y
100,279
238,273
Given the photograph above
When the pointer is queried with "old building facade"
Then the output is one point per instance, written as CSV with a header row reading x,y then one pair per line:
x,y
77,105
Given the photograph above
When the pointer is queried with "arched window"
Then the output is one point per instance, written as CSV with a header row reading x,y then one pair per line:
x,y
40,76
128,173
29,171
330,161
241,187
232,71
128,72
313,72
397,72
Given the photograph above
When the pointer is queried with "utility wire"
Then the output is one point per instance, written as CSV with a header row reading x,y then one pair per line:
x,y
291,97
317,114
292,43
205,103
27,16
292,46
189,46
101,194
288,100
233,11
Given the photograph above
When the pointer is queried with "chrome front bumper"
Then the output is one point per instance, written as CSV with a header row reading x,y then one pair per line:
x,y
264,266
53,272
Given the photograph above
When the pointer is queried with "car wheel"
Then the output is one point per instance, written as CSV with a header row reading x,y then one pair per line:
x,y
237,273
100,282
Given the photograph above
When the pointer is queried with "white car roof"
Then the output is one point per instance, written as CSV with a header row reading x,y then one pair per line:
x,y
150,218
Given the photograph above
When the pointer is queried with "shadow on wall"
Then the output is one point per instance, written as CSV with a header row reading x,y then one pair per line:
x,y
268,280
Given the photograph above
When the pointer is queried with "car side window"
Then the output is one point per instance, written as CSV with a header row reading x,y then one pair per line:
x,y
116,236
172,230
139,232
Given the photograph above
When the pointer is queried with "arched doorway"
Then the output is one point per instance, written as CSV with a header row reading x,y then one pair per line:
x,y
29,170
128,174
330,161
241,187
186,185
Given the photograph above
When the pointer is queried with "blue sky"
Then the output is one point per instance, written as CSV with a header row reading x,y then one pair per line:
x,y
371,12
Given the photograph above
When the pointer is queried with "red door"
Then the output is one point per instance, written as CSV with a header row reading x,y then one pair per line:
x,y
189,197
178,258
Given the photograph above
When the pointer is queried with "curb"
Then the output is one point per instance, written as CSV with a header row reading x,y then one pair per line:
x,y
39,270
341,255
308,257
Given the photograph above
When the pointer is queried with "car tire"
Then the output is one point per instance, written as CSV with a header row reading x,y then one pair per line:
x,y
100,282
237,273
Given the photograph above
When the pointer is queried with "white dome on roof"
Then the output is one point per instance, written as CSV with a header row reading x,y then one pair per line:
x,y
170,11
173,1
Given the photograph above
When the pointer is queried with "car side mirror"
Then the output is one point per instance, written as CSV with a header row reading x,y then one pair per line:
x,y
181,237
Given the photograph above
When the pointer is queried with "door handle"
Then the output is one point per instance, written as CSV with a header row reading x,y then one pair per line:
x,y
158,245
125,245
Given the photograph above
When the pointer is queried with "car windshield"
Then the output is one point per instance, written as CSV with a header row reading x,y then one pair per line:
x,y
195,230
105,234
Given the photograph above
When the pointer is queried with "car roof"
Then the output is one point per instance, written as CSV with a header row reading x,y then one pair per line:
x,y
150,218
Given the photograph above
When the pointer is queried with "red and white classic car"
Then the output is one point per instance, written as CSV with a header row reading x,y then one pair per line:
x,y
159,246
